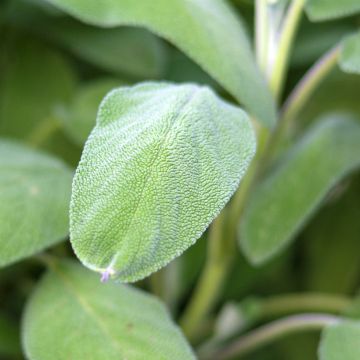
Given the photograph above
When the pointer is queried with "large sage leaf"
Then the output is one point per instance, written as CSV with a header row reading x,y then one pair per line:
x,y
219,44
285,200
160,164
350,54
330,9
340,341
71,315
34,201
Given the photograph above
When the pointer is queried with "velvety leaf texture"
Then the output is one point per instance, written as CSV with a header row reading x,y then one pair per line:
x,y
34,201
350,54
219,44
160,164
319,10
340,342
90,320
282,203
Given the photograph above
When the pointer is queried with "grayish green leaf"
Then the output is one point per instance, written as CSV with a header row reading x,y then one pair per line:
x,y
319,10
219,44
340,342
284,201
80,117
350,54
71,315
34,201
161,163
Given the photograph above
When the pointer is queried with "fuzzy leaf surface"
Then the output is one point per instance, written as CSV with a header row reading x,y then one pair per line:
x,y
340,342
284,201
219,44
34,201
71,315
160,164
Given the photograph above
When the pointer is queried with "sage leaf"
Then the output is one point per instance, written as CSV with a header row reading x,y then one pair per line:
x,y
80,116
160,164
340,341
320,10
282,203
71,315
219,44
350,54
34,201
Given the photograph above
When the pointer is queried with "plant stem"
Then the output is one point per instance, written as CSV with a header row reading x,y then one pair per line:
x,y
261,34
273,331
300,95
308,84
294,303
211,279
221,249
222,244
287,34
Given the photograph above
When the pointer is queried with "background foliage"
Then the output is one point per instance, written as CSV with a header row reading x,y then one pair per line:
x,y
284,252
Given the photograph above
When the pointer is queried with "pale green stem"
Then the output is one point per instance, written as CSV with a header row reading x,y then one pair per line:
x,y
211,279
308,84
220,251
304,302
271,332
43,131
261,34
222,244
300,96
287,34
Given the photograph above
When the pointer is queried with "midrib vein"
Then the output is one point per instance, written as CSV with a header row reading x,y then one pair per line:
x,y
87,308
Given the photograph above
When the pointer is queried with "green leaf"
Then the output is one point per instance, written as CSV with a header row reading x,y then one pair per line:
x,y
35,81
161,163
340,341
79,118
314,39
319,10
131,51
327,266
219,44
34,201
350,54
328,99
284,200
71,315
134,52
